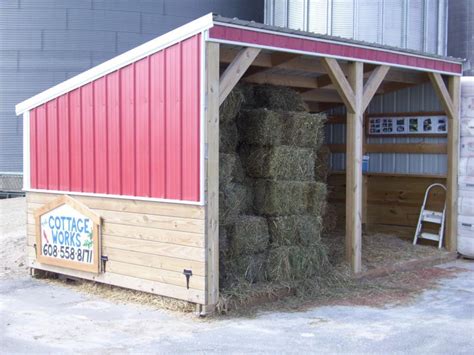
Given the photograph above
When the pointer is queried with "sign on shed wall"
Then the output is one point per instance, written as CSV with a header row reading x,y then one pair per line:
x,y
68,235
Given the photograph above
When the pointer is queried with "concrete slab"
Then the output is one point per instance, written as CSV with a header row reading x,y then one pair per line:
x,y
38,317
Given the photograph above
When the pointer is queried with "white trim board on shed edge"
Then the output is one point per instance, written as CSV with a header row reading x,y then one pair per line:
x,y
192,28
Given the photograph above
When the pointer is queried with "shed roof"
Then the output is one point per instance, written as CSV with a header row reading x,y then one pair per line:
x,y
252,34
285,30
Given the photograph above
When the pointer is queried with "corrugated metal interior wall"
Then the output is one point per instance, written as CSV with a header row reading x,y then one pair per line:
x,y
44,42
134,132
417,99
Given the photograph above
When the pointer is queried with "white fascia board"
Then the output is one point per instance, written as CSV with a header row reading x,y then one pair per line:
x,y
26,150
194,27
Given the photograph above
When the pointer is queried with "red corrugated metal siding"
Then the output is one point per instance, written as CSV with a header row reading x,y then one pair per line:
x,y
134,132
343,50
64,142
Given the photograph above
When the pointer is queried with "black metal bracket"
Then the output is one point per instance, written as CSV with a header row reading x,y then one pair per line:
x,y
104,259
188,274
36,252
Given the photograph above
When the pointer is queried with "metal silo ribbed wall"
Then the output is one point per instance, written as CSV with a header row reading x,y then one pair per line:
x,y
44,42
401,23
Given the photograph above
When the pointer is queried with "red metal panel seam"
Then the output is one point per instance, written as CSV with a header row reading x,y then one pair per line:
x,y
56,151
165,123
134,81
120,129
80,139
69,140
106,134
46,145
181,108
149,126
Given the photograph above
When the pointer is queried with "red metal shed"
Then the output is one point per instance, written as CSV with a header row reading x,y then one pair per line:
x,y
135,140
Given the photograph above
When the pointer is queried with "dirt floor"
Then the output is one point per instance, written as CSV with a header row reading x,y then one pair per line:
x,y
380,250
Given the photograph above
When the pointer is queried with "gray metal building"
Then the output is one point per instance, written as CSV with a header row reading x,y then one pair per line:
x,y
461,32
44,42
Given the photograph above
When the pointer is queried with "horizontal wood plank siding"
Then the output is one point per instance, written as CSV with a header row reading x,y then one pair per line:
x,y
393,202
148,245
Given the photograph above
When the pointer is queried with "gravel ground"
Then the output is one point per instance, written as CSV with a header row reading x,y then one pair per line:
x,y
37,316
13,237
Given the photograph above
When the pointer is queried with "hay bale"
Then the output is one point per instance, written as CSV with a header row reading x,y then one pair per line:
x,y
272,128
303,129
278,98
224,243
234,199
260,127
317,195
228,137
248,94
330,219
295,229
297,262
230,108
280,163
321,164
249,235
279,198
249,267
230,168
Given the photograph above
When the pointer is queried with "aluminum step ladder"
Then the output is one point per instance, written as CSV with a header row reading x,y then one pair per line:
x,y
431,217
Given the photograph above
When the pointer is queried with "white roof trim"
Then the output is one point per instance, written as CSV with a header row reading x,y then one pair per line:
x,y
199,25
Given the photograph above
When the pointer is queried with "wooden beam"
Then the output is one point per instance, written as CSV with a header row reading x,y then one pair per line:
x,y
340,82
265,60
314,66
212,173
279,58
402,148
235,71
443,94
372,84
283,80
453,159
354,179
321,95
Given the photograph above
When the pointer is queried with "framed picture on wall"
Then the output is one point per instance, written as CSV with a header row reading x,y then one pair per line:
x,y
407,124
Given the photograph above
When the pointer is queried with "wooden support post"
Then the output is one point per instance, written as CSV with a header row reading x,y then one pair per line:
x,y
236,70
212,173
450,100
354,181
453,160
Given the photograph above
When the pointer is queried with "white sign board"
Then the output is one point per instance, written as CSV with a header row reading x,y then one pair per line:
x,y
415,125
68,235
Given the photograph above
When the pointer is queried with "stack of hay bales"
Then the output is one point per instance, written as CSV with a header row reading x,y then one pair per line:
x,y
243,237
271,197
278,151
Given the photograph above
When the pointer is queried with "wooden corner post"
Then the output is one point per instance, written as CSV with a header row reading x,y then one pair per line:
x,y
212,173
450,100
354,181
